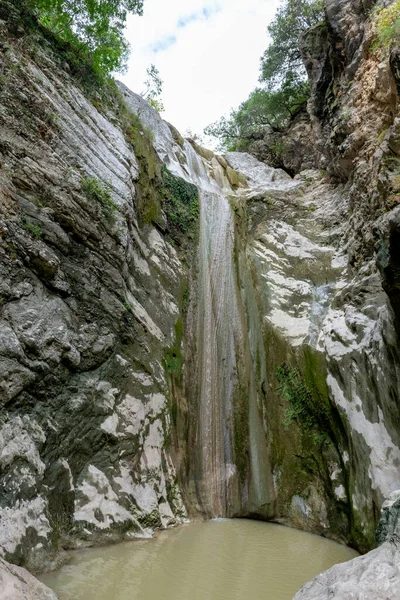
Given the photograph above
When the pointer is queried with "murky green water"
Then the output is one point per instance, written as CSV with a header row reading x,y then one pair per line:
x,y
218,560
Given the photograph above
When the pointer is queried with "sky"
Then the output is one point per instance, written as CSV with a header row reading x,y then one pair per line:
x,y
207,52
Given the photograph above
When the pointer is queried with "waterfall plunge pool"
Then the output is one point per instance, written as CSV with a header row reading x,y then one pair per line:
x,y
217,560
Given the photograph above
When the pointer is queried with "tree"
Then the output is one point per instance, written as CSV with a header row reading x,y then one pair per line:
x,y
283,56
285,89
264,110
93,27
191,135
227,131
153,89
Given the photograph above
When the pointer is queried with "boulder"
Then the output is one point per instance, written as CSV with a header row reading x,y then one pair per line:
x,y
374,576
17,584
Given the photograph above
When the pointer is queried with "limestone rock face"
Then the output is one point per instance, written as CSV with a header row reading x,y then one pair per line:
x,y
17,584
375,576
94,290
324,337
389,526
324,265
88,305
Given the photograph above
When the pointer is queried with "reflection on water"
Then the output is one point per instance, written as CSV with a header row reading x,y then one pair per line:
x,y
217,560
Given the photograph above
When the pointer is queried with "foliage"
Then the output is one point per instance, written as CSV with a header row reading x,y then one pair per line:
x,y
180,203
93,29
153,89
228,132
33,229
94,189
185,301
309,414
387,21
283,56
285,90
263,110
195,137
172,361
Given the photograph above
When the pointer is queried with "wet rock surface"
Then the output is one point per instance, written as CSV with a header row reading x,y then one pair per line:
x,y
325,340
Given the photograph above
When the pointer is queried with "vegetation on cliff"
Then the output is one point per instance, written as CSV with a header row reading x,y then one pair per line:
x,y
94,29
305,408
284,90
387,21
153,89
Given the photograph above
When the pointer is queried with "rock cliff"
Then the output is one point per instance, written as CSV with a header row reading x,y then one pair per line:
x,y
337,324
89,303
183,333
17,584
370,577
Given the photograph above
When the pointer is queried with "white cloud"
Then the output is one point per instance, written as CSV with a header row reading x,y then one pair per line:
x,y
207,52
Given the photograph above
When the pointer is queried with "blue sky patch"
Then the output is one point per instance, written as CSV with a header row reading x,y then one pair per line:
x,y
200,15
163,43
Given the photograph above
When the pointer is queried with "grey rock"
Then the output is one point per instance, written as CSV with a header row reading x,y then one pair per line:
x,y
388,529
87,311
374,576
258,174
17,584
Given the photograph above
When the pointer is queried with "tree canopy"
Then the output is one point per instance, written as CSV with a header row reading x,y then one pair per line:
x,y
283,56
94,27
264,109
284,88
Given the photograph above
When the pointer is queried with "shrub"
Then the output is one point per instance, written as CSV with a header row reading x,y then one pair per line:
x,y
387,21
94,189
33,229
180,203
153,89
172,361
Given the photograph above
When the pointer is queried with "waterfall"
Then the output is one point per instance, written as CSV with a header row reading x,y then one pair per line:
x,y
217,329
229,471
229,430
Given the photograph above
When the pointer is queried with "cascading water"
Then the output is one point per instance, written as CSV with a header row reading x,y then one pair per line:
x,y
217,329
229,471
224,389
215,326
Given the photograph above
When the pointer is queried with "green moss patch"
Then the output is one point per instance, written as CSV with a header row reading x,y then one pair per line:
x,y
305,407
95,189
241,434
181,205
149,184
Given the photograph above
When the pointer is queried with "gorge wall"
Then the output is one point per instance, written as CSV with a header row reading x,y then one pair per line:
x,y
185,334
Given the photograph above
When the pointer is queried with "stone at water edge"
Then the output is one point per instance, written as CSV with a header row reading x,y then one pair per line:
x,y
374,576
388,529
17,584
